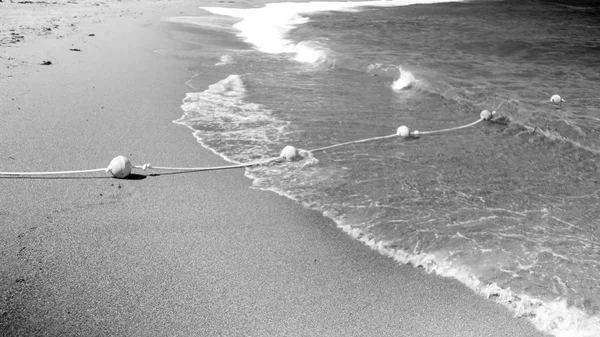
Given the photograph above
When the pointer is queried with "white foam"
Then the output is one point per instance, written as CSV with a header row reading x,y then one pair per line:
x,y
267,28
224,60
310,52
405,81
553,317
221,115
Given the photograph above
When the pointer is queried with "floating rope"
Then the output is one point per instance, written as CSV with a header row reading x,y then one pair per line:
x,y
352,142
456,128
291,153
556,99
404,131
120,166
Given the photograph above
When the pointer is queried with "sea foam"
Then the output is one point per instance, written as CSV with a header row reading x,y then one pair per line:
x,y
553,317
406,80
220,117
267,28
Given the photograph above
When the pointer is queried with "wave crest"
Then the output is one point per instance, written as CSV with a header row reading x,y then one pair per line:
x,y
406,80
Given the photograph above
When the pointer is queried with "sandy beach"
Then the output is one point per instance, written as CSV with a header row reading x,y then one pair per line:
x,y
196,254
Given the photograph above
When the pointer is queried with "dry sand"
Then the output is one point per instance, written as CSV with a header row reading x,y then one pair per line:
x,y
196,254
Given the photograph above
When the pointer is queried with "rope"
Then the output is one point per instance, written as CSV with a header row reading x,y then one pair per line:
x,y
582,99
212,168
451,129
352,142
414,134
485,115
147,166
556,99
52,173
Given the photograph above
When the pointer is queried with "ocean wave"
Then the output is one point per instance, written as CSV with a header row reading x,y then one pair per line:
x,y
267,28
220,118
312,52
405,81
554,317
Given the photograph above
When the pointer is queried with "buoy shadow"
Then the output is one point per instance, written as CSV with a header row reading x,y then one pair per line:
x,y
133,176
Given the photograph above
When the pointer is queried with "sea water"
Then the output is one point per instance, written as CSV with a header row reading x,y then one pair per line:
x,y
510,207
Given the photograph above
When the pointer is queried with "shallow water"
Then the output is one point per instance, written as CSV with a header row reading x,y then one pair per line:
x,y
509,207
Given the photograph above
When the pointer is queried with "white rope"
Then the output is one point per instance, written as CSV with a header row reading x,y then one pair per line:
x,y
556,99
144,167
451,129
52,173
415,134
582,99
211,168
127,170
352,142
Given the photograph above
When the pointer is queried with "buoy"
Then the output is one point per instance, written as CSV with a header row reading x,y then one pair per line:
x,y
556,99
415,133
403,131
119,167
486,115
289,153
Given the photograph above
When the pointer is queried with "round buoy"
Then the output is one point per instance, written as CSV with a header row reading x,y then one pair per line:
x,y
119,167
289,153
486,115
403,131
415,134
556,99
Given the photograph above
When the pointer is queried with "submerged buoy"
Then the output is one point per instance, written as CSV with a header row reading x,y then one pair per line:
x,y
486,115
556,99
289,153
403,131
119,167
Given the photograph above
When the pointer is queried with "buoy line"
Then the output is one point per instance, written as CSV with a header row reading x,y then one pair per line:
x,y
210,168
351,142
556,99
404,132
120,166
53,172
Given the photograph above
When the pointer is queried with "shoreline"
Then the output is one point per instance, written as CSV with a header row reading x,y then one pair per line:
x,y
183,254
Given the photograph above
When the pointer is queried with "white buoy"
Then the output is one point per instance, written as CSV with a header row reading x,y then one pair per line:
x,y
556,99
289,153
119,167
486,115
403,131
415,134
